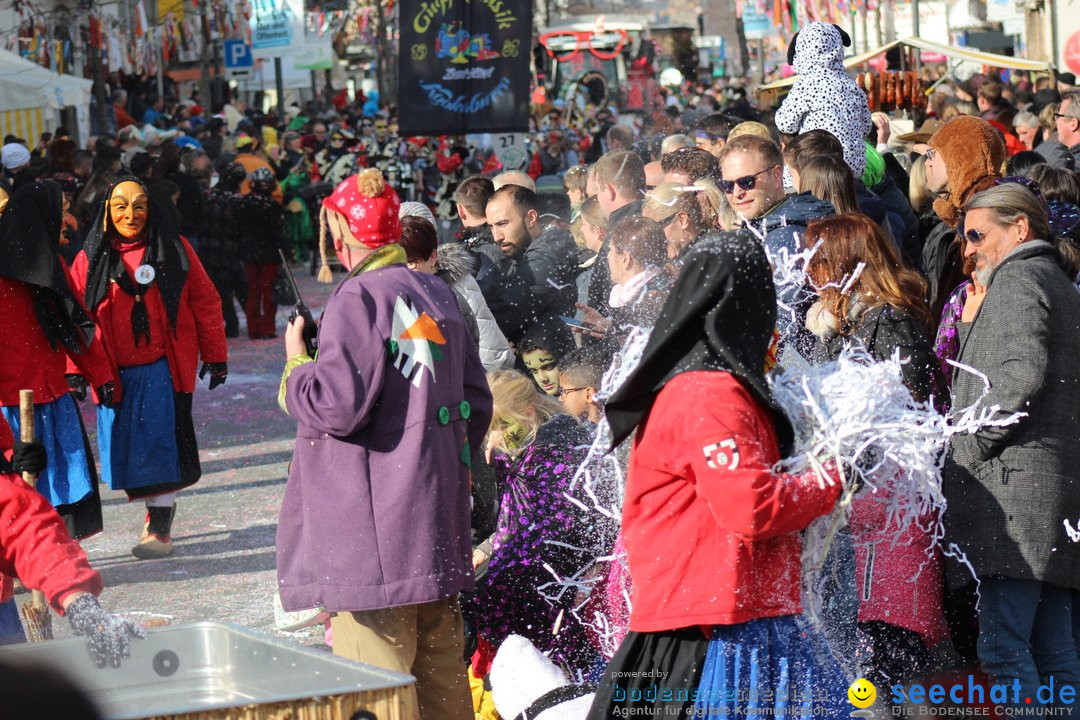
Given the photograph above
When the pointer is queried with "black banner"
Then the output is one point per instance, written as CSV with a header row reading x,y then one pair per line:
x,y
464,66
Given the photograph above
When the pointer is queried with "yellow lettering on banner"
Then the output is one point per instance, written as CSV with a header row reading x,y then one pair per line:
x,y
428,11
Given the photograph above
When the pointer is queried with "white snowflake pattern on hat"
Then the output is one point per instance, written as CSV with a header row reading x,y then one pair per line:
x,y
357,212
341,203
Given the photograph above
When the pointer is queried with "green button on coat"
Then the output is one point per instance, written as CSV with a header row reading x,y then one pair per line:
x,y
444,415
465,410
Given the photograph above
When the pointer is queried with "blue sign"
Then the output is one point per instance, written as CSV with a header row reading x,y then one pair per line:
x,y
238,55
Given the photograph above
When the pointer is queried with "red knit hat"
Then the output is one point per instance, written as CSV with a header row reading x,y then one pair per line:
x,y
370,209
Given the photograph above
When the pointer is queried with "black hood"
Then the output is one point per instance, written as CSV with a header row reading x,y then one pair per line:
x,y
29,253
720,315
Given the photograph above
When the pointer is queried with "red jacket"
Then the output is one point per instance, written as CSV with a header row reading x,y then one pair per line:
x,y
711,532
34,544
31,363
200,329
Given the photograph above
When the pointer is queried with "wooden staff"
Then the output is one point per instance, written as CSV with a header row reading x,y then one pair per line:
x,y
35,613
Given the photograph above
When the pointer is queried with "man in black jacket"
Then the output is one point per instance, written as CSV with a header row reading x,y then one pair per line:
x,y
619,180
540,278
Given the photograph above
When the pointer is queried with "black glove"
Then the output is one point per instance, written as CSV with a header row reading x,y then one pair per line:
x,y
29,458
106,394
218,373
77,385
109,635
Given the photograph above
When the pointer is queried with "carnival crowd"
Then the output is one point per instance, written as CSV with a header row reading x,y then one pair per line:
x,y
494,327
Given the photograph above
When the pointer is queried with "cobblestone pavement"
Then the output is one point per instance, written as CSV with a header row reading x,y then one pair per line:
x,y
223,567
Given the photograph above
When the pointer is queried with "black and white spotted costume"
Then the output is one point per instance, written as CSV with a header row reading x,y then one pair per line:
x,y
825,97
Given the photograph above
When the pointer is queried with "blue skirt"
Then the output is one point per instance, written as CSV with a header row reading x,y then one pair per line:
x,y
137,439
778,667
57,426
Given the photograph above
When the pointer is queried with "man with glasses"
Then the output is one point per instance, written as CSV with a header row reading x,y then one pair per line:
x,y
963,157
1067,119
1008,486
752,172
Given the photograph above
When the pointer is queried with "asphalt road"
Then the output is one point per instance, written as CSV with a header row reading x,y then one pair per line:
x,y
223,567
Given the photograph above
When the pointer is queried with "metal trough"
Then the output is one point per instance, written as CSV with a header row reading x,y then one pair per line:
x,y
218,671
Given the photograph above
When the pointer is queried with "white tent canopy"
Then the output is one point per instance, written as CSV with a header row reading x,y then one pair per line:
x,y
25,84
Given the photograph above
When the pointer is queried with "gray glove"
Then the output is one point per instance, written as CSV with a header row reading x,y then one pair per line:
x,y
109,635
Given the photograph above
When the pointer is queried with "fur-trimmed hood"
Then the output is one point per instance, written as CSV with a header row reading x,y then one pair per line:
x,y
973,153
454,262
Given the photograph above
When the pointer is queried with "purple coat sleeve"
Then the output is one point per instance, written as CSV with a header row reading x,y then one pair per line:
x,y
336,394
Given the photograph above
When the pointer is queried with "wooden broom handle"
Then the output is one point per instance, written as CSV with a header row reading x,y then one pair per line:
x,y
26,426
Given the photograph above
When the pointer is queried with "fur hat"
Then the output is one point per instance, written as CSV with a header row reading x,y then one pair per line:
x,y
526,684
367,209
973,152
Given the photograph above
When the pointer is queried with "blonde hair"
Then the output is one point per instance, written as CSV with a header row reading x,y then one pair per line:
x,y
919,194
515,398
702,202
750,127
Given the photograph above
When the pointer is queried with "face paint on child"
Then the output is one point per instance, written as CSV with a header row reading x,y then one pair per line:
x,y
544,369
513,432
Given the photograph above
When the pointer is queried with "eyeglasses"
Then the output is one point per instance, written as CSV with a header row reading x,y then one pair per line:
x,y
930,154
1063,115
746,182
563,392
669,219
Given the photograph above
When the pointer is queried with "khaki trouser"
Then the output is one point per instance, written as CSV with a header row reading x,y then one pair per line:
x,y
426,641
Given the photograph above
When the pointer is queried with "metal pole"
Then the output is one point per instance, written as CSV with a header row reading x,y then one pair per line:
x,y
279,87
761,58
160,67
915,31
1053,39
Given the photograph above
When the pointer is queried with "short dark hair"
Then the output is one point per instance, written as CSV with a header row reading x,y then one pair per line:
x,y
582,369
694,162
1057,184
524,198
418,238
474,193
811,144
767,150
717,124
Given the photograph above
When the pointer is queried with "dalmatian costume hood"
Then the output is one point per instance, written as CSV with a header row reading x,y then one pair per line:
x,y
825,97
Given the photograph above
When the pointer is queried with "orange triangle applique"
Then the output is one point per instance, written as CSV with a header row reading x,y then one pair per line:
x,y
424,329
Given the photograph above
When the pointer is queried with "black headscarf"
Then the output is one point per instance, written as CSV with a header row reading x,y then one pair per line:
x,y
164,252
29,253
720,315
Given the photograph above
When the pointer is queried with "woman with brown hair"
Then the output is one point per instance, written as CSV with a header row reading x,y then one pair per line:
x,y
828,178
867,297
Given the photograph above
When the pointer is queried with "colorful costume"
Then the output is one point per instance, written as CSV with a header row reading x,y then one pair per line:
x,y
157,312
42,317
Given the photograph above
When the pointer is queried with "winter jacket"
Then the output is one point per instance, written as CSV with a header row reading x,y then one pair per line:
x,y
1009,488
31,362
199,332
784,228
541,281
901,217
825,97
1056,155
456,265
600,282
376,507
942,266
260,226
711,531
35,545
886,561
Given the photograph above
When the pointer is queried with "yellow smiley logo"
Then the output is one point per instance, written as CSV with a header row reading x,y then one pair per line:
x,y
862,693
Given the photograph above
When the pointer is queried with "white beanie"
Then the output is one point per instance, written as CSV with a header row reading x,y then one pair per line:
x,y
14,156
417,209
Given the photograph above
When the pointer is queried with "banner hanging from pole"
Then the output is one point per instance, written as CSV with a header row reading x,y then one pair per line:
x,y
464,66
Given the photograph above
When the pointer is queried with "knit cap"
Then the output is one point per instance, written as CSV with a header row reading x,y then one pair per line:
x,y
369,208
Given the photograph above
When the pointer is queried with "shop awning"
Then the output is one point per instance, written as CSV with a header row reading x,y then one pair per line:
x,y
957,53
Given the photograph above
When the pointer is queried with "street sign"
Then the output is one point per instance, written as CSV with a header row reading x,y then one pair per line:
x,y
238,55
277,27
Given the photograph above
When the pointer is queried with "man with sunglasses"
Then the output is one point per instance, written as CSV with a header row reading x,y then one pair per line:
x,y
1007,486
752,170
1067,120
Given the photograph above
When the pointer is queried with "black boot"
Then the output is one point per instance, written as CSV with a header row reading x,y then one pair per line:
x,y
156,541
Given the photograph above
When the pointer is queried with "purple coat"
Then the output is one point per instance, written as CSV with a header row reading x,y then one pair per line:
x,y
376,509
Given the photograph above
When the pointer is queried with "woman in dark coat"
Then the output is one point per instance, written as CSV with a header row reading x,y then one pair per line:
x,y
868,298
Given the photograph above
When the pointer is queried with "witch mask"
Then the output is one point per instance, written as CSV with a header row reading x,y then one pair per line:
x,y
129,208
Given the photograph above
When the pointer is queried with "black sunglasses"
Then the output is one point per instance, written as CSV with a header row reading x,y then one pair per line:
x,y
976,237
746,182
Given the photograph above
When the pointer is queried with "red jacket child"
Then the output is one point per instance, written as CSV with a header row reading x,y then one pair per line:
x,y
711,531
